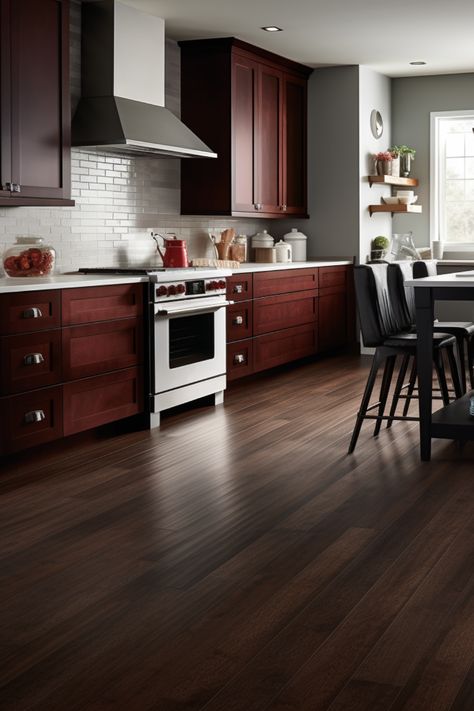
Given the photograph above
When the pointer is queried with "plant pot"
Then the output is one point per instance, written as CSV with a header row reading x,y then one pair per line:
x,y
377,255
396,167
405,164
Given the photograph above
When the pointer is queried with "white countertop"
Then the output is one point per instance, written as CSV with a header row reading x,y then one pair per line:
x,y
72,281
247,267
66,281
454,280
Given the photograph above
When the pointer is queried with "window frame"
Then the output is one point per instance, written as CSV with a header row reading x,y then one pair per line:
x,y
436,118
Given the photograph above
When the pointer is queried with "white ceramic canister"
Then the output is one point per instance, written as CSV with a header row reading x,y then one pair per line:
x,y
283,251
261,240
298,244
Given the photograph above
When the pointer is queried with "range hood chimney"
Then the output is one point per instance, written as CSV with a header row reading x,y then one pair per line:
x,y
123,86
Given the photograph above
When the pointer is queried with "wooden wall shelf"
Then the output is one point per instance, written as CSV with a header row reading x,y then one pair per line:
x,y
392,180
395,208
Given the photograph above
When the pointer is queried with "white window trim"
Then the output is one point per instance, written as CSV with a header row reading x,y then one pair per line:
x,y
435,119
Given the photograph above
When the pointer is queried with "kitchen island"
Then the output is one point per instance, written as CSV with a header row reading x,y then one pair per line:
x,y
452,421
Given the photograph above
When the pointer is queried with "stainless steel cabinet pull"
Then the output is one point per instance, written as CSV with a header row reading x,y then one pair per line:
x,y
239,358
34,312
33,359
258,205
283,207
238,321
16,188
238,289
34,416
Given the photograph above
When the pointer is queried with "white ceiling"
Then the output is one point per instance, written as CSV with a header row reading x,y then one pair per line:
x,y
382,34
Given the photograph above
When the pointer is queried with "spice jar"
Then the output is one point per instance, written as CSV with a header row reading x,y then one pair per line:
x,y
238,248
29,256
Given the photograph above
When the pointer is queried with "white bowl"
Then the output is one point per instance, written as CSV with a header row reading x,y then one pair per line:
x,y
405,200
390,200
405,193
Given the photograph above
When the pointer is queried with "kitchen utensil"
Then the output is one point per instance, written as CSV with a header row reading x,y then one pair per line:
x,y
298,242
29,256
175,255
283,251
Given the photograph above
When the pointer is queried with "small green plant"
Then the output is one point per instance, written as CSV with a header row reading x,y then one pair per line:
x,y
380,242
403,151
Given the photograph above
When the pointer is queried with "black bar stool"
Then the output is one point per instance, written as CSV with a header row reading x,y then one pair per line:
x,y
383,330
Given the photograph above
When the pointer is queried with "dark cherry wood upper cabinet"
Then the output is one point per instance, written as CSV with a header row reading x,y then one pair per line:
x,y
34,94
249,105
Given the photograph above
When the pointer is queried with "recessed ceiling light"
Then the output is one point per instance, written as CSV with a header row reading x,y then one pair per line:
x,y
417,64
272,28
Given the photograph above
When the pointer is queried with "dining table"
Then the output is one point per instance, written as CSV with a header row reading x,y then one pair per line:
x,y
452,421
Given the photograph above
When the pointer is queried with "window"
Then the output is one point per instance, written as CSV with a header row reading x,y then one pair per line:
x,y
452,178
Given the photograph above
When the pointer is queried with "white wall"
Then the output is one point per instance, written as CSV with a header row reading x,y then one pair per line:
x,y
374,93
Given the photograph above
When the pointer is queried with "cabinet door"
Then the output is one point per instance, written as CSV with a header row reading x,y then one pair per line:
x,y
31,360
244,97
284,346
269,140
294,146
40,112
30,419
5,99
332,320
274,313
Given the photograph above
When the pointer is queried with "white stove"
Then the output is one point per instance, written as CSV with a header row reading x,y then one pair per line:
x,y
187,334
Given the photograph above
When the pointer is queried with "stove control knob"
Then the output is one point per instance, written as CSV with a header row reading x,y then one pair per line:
x,y
162,291
209,285
180,289
171,290
215,285
222,284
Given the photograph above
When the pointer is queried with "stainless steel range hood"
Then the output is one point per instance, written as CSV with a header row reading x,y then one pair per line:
x,y
123,84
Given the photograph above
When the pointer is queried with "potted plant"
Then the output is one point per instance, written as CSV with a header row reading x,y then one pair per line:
x,y
406,154
379,247
383,163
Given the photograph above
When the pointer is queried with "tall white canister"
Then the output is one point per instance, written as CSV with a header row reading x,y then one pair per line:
x,y
298,244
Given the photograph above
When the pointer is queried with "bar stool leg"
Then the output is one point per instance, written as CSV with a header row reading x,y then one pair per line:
x,y
411,388
440,372
376,363
453,366
384,390
470,360
462,361
398,387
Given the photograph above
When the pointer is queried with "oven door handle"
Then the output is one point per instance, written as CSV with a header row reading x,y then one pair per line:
x,y
203,308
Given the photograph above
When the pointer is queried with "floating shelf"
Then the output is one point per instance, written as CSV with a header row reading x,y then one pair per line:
x,y
394,208
392,180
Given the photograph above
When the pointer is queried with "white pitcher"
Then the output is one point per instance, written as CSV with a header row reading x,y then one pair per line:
x,y
283,251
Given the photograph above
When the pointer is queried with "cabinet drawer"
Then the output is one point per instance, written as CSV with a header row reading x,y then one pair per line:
x,y
101,347
239,321
26,312
95,401
29,361
282,281
332,276
239,287
101,303
239,359
30,419
284,346
284,311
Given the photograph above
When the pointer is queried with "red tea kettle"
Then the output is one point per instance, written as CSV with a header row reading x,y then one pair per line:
x,y
175,255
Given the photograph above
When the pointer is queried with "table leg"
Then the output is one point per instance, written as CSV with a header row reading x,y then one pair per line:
x,y
424,329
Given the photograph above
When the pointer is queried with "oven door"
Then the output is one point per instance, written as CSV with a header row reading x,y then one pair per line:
x,y
189,342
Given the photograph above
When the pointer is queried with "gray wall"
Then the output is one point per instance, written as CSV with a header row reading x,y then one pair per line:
x,y
333,164
412,101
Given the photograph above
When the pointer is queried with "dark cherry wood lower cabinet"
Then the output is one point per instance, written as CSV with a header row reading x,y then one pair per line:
x,y
284,346
96,401
30,419
91,349
293,313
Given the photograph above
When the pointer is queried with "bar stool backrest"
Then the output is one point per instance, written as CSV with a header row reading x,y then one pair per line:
x,y
377,318
401,295
424,268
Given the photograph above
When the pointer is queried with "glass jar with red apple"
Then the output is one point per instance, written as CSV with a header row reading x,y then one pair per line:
x,y
29,256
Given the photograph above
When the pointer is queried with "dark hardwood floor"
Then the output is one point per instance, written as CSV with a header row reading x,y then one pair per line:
x,y
239,560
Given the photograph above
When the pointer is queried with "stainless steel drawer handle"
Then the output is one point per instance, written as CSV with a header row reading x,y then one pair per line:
x,y
34,416
239,358
238,321
258,205
238,289
283,207
33,359
34,312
